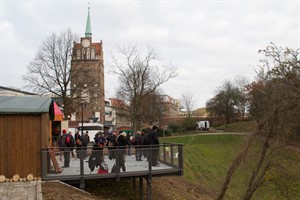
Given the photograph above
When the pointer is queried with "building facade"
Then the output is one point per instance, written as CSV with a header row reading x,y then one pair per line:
x,y
170,106
87,77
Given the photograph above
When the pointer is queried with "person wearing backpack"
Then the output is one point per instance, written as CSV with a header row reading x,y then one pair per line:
x,y
64,148
78,143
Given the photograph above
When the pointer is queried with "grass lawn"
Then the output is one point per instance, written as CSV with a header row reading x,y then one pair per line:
x,y
207,158
245,126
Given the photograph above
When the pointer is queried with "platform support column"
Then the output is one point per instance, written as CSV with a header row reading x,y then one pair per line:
x,y
141,189
149,188
134,184
82,185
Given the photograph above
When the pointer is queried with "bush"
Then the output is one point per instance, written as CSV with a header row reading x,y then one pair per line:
x,y
189,124
173,127
161,133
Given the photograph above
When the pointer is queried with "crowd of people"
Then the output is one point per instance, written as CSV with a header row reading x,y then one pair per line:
x,y
119,145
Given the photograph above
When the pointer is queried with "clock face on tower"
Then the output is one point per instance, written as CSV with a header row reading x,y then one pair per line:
x,y
85,43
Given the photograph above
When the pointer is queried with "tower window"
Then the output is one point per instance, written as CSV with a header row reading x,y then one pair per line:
x,y
93,54
83,54
78,54
88,53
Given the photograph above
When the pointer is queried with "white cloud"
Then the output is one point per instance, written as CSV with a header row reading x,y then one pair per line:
x,y
207,41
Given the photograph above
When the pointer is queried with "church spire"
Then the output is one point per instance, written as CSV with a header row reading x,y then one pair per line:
x,y
88,29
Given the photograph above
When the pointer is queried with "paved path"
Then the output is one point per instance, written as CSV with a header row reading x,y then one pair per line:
x,y
27,190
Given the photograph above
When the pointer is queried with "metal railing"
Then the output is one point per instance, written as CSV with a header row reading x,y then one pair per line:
x,y
112,162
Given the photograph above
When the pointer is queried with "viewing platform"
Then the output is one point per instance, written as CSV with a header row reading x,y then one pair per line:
x,y
170,163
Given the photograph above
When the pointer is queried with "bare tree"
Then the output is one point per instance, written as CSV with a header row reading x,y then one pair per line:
x,y
152,108
188,102
275,99
242,104
140,77
49,72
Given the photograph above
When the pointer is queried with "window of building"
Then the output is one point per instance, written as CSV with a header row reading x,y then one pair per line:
x,y
93,54
108,113
88,53
83,54
107,103
78,54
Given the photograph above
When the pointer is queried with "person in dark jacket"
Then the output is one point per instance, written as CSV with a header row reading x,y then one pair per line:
x,y
72,144
65,149
153,140
85,139
97,138
96,157
138,148
121,142
129,143
78,143
145,143
112,144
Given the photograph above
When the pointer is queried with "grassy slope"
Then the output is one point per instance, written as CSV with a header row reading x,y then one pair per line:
x,y
207,158
246,126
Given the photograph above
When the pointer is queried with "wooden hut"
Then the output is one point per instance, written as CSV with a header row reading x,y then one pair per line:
x,y
24,131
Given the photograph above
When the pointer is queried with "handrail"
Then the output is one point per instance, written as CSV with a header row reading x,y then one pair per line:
x,y
170,158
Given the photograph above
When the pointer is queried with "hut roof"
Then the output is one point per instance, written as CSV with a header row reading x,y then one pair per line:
x,y
26,105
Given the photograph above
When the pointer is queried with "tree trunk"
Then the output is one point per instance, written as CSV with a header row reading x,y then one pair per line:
x,y
235,164
254,181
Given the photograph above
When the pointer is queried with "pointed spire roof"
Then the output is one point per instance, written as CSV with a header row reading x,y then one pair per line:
x,y
88,29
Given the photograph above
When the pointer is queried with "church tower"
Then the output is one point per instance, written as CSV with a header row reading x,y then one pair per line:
x,y
87,77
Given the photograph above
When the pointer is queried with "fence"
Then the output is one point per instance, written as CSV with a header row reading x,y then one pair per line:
x,y
112,162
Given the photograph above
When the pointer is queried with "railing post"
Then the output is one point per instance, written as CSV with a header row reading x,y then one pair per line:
x,y
172,153
149,187
180,158
134,184
150,159
82,185
141,190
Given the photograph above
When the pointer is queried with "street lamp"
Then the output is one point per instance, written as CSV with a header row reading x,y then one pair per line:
x,y
82,102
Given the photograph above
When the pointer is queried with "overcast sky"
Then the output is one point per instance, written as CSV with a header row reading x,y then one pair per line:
x,y
208,41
